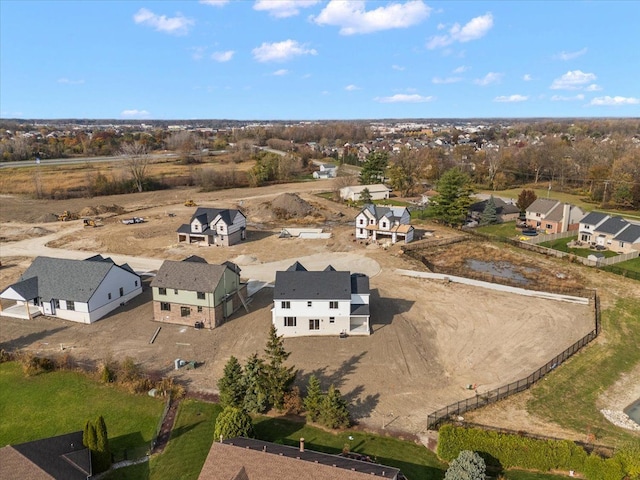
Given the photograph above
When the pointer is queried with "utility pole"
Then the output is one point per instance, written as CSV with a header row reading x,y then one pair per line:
x,y
604,194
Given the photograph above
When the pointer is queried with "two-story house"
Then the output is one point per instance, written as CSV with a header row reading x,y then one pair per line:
x,y
613,233
326,170
326,302
552,216
193,291
393,222
588,225
214,226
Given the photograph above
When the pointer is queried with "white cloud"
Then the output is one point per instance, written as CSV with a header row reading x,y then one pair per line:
x,y
281,51
461,69
283,8
572,80
66,81
615,101
404,98
444,81
488,79
397,67
351,88
281,72
214,3
527,77
511,98
353,18
593,88
570,55
135,113
476,28
178,25
562,98
222,56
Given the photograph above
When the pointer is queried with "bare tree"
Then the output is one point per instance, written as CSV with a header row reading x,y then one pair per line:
x,y
137,160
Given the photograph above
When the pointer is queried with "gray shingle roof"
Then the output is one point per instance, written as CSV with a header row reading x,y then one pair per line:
x,y
27,289
630,234
296,267
190,276
303,285
359,283
612,226
594,218
542,205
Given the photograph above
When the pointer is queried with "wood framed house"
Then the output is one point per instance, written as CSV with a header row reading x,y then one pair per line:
x,y
552,216
326,170
78,290
588,225
375,222
326,302
613,233
214,226
353,193
628,240
192,291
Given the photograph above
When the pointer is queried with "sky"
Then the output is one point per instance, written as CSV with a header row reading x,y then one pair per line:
x,y
318,59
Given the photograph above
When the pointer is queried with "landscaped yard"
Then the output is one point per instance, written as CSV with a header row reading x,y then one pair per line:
x,y
629,265
61,402
560,244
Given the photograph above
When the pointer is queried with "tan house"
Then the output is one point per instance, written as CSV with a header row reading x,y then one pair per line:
x,y
196,293
551,216
214,226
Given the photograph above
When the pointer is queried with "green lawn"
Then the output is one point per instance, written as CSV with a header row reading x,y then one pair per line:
x,y
505,230
631,265
568,396
561,245
61,402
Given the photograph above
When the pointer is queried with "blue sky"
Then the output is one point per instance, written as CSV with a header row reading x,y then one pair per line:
x,y
314,59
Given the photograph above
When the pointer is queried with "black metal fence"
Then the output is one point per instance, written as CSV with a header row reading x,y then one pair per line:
x,y
492,396
154,440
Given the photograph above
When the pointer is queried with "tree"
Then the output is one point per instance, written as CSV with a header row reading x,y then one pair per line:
x,y
451,204
231,385
405,173
468,466
278,377
255,396
89,436
526,198
313,399
374,168
365,196
334,412
233,422
137,160
489,214
102,460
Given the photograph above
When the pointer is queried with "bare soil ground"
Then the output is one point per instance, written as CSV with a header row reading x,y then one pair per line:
x,y
430,340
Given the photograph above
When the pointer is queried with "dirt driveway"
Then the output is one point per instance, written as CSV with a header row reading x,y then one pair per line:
x,y
430,340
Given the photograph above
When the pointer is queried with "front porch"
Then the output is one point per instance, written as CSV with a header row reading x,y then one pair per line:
x,y
18,310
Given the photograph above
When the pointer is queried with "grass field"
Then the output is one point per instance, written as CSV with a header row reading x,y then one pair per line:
x,y
630,265
560,244
61,402
505,230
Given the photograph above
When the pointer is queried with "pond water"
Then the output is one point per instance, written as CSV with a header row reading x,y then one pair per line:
x,y
633,411
499,269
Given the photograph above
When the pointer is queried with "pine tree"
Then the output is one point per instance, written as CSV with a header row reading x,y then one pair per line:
x,y
86,434
334,412
233,422
255,398
313,399
468,466
373,169
489,214
278,378
451,204
365,196
102,452
231,385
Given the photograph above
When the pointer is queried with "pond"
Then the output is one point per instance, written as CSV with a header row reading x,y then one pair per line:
x,y
633,411
500,269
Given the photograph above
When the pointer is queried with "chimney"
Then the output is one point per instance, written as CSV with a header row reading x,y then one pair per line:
x,y
302,444
566,213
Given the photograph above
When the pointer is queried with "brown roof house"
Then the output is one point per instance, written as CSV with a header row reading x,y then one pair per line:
x,y
247,459
552,216
194,292
56,458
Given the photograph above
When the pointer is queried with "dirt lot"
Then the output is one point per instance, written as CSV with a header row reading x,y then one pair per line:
x,y
430,340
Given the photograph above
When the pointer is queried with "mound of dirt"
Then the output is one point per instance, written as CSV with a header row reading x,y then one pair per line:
x,y
47,218
101,209
38,231
245,260
290,205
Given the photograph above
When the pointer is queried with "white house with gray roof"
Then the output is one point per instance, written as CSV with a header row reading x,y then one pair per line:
x,y
326,302
214,226
374,222
612,232
78,290
354,192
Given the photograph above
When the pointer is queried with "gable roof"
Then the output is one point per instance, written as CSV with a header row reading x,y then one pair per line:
x,y
630,234
304,285
502,207
195,259
359,283
594,218
612,226
62,457
190,276
542,205
296,267
378,187
208,215
249,459
378,212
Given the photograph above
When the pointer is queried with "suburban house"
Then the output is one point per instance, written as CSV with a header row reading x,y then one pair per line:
x,y
628,240
326,170
249,459
552,216
194,292
588,225
61,458
505,211
392,222
214,226
78,290
377,192
326,302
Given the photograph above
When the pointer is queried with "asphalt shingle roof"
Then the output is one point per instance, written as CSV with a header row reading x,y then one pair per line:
x,y
630,234
612,226
303,285
542,205
190,276
594,218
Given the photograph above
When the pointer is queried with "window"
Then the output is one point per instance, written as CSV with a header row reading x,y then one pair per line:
x,y
332,319
162,291
135,283
549,226
384,224
286,304
56,303
71,305
222,228
314,324
185,311
537,214
290,321
165,306
109,296
199,309
333,304
121,291
361,221
200,295
309,303
361,230
175,291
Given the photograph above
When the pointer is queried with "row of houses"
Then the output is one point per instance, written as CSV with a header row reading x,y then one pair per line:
x,y
614,233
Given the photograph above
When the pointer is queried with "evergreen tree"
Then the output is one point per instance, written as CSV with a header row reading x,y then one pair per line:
x,y
231,385
255,397
233,422
373,169
86,434
102,453
489,214
278,378
92,437
365,196
468,466
451,204
334,412
313,400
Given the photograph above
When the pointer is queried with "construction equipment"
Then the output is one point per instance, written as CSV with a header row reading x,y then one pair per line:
x,y
88,222
190,203
67,215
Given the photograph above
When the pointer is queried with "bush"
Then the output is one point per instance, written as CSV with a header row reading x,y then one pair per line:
x,y
293,402
233,422
33,365
468,466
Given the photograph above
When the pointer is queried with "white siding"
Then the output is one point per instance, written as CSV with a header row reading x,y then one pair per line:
x,y
319,310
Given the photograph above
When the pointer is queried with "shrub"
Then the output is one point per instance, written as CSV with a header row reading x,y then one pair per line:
x,y
33,365
233,422
468,466
293,402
